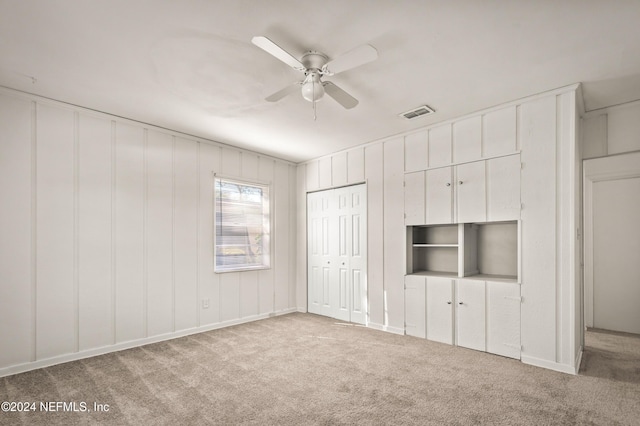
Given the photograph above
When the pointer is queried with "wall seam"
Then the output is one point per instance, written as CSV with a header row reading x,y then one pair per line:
x,y
113,232
34,231
76,228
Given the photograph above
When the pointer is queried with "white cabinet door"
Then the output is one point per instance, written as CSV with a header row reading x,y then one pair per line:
x,y
415,151
471,194
503,319
499,132
414,306
503,188
440,146
470,314
467,140
439,200
440,309
414,193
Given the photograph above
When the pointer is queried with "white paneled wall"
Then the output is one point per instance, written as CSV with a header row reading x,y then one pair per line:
x,y
543,129
107,234
611,131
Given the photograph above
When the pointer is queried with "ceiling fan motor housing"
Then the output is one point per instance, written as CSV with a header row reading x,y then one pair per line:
x,y
313,60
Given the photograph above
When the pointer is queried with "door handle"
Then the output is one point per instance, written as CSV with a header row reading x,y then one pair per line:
x,y
448,303
448,184
460,303
460,182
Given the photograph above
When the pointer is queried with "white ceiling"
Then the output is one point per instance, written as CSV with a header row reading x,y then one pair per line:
x,y
190,66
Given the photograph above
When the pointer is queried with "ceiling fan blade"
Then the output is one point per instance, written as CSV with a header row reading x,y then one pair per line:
x,y
283,92
353,58
275,50
340,96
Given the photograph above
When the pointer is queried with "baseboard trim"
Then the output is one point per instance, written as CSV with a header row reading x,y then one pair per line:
x,y
61,359
549,365
387,328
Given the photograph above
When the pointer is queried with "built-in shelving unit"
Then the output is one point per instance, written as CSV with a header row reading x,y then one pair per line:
x,y
483,251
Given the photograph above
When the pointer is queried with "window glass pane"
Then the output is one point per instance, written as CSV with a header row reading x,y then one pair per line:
x,y
242,226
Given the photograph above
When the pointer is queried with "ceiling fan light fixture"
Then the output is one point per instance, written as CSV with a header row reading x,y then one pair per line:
x,y
312,89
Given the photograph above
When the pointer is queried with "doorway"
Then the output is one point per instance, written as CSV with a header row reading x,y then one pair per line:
x,y
337,253
612,242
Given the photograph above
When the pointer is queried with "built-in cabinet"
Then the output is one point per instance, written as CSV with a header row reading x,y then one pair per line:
x,y
475,314
462,217
479,191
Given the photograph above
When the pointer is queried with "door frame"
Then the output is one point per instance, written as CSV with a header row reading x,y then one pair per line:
x,y
614,167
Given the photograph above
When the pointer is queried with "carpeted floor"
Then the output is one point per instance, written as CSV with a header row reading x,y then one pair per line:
x,y
305,369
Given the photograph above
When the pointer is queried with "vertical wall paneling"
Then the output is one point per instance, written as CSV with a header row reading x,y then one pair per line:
x,y
339,169
250,165
375,242
623,128
94,232
232,162
324,172
355,165
129,233
499,132
248,293
439,152
312,176
565,303
264,289
416,151
208,280
159,222
16,186
301,237
394,234
56,310
108,228
537,129
185,242
280,271
467,139
291,248
229,296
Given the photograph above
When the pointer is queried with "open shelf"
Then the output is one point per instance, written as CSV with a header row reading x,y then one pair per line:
x,y
482,251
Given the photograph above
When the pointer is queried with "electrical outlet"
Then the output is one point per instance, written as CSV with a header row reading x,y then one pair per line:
x,y
205,303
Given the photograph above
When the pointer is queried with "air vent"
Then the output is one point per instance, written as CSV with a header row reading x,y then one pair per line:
x,y
417,112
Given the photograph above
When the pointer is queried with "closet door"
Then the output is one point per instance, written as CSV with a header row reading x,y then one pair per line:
x,y
414,306
358,253
322,252
337,253
342,293
471,192
470,314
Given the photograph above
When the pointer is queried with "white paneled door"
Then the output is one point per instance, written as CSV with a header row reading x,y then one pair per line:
x,y
337,253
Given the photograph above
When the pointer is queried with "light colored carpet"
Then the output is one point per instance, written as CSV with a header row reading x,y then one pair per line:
x,y
305,369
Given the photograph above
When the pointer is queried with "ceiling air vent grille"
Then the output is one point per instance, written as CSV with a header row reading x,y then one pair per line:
x,y
417,112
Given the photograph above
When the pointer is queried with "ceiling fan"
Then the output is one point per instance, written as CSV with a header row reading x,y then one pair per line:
x,y
315,65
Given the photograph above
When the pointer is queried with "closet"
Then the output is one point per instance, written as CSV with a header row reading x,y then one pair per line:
x,y
337,253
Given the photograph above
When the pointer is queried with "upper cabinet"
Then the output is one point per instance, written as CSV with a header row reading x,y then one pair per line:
x,y
480,191
416,151
467,140
499,132
439,152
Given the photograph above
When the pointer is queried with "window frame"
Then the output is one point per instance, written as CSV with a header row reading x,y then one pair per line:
x,y
267,260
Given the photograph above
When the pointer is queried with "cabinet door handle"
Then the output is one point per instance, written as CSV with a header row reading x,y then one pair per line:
x,y
448,303
342,263
460,182
448,184
460,303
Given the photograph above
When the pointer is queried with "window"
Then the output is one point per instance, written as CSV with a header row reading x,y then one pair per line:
x,y
242,223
